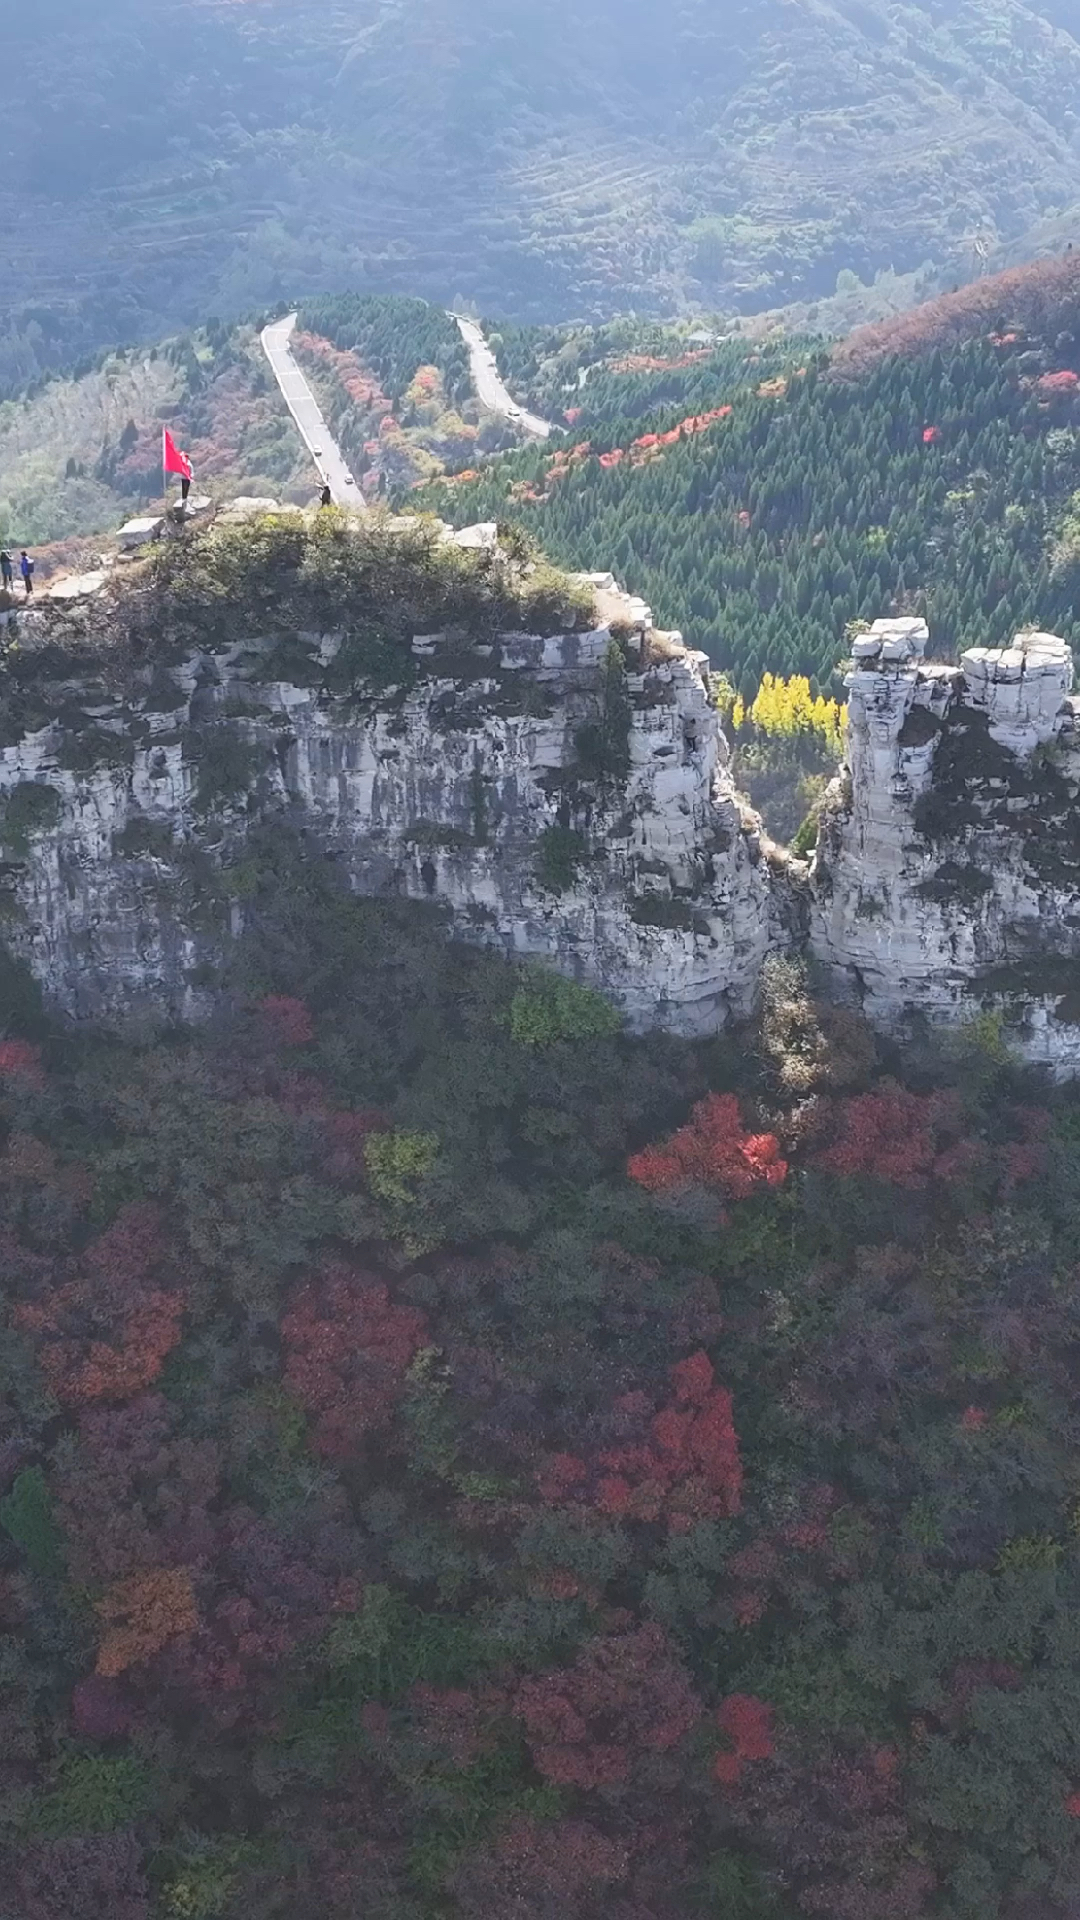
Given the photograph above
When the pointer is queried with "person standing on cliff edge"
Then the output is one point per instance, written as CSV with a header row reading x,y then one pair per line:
x,y
7,571
174,461
26,568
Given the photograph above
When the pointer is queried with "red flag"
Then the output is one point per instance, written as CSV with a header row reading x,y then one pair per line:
x,y
172,459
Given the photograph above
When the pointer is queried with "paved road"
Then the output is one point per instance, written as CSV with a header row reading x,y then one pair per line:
x,y
489,386
304,408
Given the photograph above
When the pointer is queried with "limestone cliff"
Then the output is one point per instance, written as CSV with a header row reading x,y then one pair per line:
x,y
947,875
557,803
564,795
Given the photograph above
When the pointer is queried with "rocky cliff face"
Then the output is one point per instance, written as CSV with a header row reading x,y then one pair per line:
x,y
567,798
947,876
558,804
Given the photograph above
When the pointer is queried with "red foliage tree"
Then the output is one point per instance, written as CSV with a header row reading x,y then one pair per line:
x,y
357,380
345,1860
626,1695
30,1165
106,1331
346,1134
679,1463
747,1724
776,1560
271,1595
142,1518
836,1828
1041,298
348,1346
968,1679
1027,1155
713,1150
100,1709
457,1723
132,1496
910,1139
343,1130
142,1615
893,1135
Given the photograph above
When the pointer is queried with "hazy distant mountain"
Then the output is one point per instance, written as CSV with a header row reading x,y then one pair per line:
x,y
541,157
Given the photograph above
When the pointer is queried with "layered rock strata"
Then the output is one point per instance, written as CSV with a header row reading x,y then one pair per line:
x,y
559,805
568,798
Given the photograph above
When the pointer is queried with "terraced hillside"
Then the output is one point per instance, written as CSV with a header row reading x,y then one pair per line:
x,y
570,158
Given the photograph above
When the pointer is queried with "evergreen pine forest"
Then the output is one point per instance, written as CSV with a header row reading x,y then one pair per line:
x,y
940,484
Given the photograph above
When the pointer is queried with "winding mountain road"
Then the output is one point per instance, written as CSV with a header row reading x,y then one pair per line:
x,y
316,435
489,385
305,411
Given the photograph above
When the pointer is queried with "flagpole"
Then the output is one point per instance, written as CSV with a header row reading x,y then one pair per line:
x,y
164,475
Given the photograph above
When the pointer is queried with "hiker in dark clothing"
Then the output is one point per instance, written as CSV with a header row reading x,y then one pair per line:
x,y
326,498
26,568
7,571
185,489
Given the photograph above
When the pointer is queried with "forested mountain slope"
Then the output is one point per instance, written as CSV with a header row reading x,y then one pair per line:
x,y
762,500
763,493
457,1462
1025,307
574,157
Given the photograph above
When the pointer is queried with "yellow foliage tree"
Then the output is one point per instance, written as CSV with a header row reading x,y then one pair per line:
x,y
399,1166
787,709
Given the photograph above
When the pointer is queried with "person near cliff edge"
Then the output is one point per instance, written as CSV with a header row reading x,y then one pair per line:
x,y
7,571
173,460
26,568
326,498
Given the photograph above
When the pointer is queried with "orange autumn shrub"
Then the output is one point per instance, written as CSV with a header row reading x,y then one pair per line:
x,y
105,1332
142,1615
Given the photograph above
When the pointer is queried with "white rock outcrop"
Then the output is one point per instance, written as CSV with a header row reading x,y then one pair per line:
x,y
947,875
139,532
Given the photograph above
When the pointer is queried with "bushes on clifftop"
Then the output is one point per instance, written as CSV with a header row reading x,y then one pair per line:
x,y
377,583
